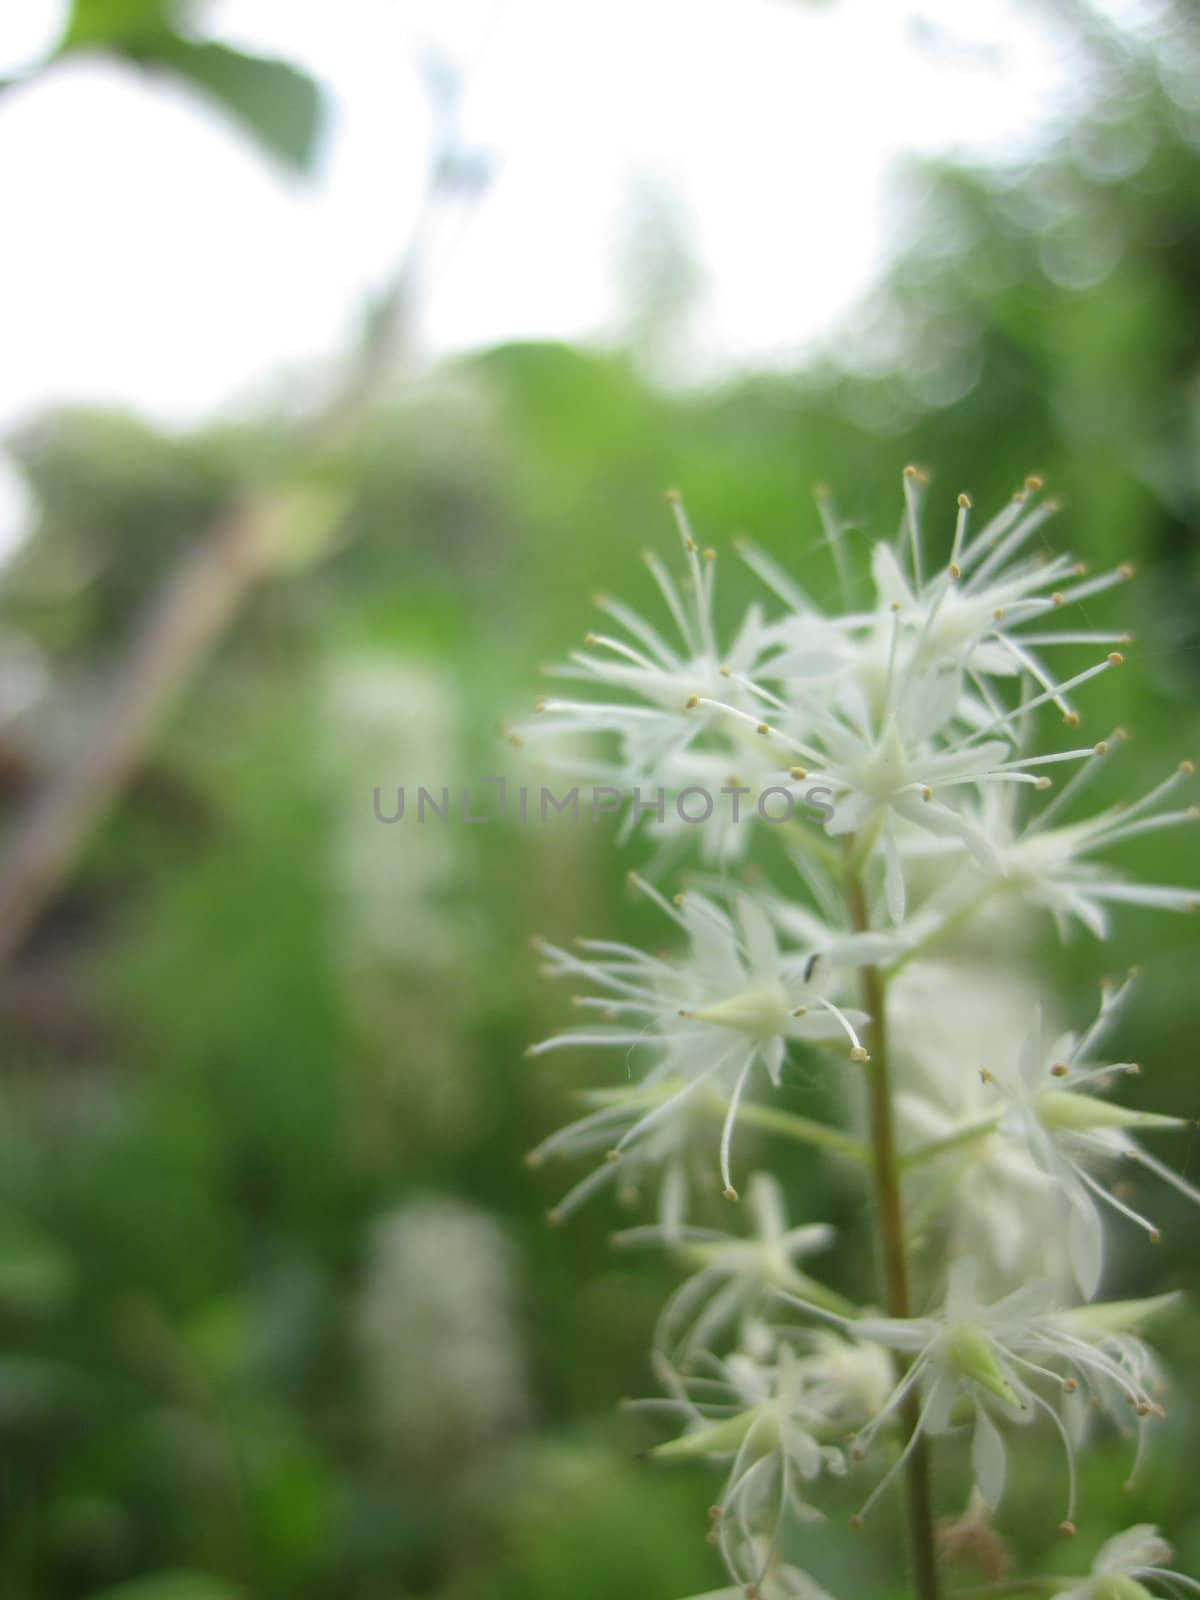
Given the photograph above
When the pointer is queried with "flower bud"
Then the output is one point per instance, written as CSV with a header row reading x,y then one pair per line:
x,y
760,1013
970,1352
1060,1111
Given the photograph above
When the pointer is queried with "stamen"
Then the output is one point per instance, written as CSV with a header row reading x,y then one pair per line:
x,y
615,645
641,630
727,1127
639,883
897,1465
857,1053
670,594
992,531
912,503
960,534
1117,1204
701,577
1098,585
1113,660
833,530
775,578
1021,533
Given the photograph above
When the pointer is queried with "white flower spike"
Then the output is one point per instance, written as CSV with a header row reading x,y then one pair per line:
x,y
888,962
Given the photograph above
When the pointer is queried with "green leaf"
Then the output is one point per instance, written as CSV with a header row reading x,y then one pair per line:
x,y
277,104
274,102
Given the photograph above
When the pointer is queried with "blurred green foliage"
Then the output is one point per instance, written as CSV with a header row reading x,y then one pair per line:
x,y
257,1022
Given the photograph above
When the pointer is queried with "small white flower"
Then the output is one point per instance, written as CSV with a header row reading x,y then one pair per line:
x,y
1051,863
1053,1112
1124,1379
734,1273
773,1416
990,1194
903,758
657,684
704,1022
1121,1563
663,1154
974,611
991,1359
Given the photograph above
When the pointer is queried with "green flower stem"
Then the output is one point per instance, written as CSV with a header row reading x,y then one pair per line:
x,y
893,1247
952,1141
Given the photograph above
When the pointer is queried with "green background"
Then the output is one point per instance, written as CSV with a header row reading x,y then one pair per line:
x,y
280,1314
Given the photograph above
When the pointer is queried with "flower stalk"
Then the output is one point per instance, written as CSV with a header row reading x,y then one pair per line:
x,y
893,1251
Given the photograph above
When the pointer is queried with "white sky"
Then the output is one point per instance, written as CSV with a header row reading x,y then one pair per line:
x,y
153,258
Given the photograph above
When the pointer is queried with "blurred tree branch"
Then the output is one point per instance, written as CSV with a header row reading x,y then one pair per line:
x,y
203,593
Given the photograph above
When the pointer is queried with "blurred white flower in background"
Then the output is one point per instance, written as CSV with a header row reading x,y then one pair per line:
x,y
436,1324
